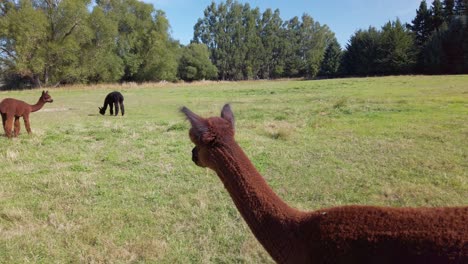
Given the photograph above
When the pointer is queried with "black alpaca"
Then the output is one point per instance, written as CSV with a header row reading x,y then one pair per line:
x,y
114,98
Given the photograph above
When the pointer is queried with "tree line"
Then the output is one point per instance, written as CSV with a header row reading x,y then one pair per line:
x,y
435,42
52,42
49,42
247,44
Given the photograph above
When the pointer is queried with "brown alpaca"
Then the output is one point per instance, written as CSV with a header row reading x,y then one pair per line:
x,y
347,234
14,109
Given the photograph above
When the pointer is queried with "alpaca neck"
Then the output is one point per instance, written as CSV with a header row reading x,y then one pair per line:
x,y
271,220
37,106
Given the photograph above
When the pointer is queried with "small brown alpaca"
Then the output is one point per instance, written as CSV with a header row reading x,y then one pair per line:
x,y
14,109
347,234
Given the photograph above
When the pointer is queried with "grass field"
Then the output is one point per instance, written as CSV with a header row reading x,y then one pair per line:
x,y
93,189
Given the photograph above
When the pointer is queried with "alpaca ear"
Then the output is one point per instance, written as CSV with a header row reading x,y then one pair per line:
x,y
227,114
198,123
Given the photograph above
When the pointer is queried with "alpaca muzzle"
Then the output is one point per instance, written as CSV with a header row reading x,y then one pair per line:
x,y
195,157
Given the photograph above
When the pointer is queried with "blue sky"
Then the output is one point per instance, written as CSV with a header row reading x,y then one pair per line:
x,y
343,17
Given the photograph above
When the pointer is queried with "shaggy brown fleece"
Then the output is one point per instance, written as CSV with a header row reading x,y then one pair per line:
x,y
348,234
14,109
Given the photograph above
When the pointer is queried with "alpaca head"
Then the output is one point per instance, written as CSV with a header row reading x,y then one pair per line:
x,y
102,111
209,133
45,97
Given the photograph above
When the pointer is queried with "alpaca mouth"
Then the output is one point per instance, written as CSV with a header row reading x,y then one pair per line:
x,y
195,155
195,158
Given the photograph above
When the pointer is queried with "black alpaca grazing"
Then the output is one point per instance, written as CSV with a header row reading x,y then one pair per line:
x,y
114,98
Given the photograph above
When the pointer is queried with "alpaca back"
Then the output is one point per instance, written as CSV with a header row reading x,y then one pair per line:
x,y
14,106
368,234
114,97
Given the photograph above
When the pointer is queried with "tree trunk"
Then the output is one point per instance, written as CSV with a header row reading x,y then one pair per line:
x,y
46,75
36,81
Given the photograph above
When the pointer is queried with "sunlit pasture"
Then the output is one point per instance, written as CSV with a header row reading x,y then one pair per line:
x,y
89,188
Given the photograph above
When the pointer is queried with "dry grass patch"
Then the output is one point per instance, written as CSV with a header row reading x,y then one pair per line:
x,y
282,130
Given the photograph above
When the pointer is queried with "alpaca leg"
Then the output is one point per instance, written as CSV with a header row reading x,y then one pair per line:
x,y
111,109
4,117
26,123
8,125
122,108
17,126
116,105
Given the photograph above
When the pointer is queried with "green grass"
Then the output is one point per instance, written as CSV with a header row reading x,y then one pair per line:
x,y
91,188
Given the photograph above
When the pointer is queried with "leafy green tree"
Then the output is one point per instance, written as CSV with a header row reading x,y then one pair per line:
x,y
245,44
254,49
43,39
6,6
67,41
237,46
331,62
315,39
195,63
67,31
162,55
294,53
273,41
213,31
100,58
143,42
305,46
23,37
230,30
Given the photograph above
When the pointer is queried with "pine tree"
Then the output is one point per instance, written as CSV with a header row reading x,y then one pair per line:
x,y
421,24
422,28
461,8
396,53
362,52
448,6
331,60
455,48
434,56
437,18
